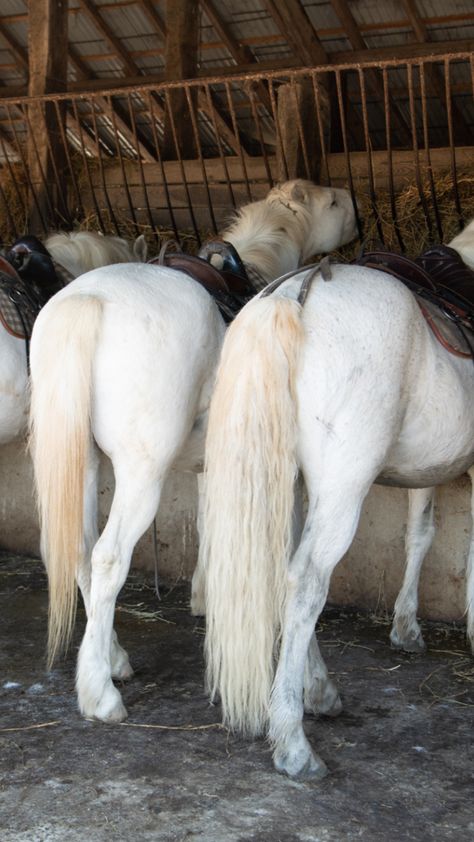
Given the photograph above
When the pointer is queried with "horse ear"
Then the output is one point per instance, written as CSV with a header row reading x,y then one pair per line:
x,y
140,249
299,193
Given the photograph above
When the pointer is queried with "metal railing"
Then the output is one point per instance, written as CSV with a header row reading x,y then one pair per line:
x,y
180,157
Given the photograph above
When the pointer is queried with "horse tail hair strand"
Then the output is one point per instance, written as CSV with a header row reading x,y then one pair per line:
x,y
59,440
248,505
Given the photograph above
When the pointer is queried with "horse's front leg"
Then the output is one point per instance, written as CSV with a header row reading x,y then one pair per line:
x,y
198,583
134,506
470,572
328,532
406,632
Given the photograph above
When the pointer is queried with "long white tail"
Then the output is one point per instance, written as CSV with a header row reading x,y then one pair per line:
x,y
60,436
247,517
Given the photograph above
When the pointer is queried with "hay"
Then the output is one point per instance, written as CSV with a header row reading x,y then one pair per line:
x,y
412,223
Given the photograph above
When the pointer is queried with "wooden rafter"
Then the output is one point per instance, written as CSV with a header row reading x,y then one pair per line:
x,y
433,74
91,11
19,53
121,119
239,52
357,42
294,24
153,16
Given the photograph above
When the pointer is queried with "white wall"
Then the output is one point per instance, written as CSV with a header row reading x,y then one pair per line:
x,y
369,576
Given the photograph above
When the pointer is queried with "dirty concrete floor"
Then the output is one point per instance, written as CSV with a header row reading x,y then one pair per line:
x,y
400,755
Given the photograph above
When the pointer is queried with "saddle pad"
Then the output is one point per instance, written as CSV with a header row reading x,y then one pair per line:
x,y
17,310
456,340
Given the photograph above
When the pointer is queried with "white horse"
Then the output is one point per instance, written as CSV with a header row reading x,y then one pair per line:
x,y
123,360
406,633
351,389
77,252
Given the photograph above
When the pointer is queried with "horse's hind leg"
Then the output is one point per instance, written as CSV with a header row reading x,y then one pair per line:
x,y
321,695
136,499
119,661
406,632
330,526
198,584
470,573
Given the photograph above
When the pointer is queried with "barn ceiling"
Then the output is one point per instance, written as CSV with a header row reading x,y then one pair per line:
x,y
122,41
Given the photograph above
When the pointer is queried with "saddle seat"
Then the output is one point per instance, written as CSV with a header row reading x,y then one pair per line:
x,y
444,288
28,279
229,286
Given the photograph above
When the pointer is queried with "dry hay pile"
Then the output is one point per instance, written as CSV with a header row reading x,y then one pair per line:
x,y
409,210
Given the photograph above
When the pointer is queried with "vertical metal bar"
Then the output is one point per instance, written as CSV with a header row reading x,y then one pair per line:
x,y
14,181
197,141
68,158
300,127
122,166
416,156
447,82
219,146
140,161
181,165
163,173
235,128
86,166
322,140
368,148
271,91
426,142
26,168
59,185
11,221
346,152
101,170
251,95
32,140
388,144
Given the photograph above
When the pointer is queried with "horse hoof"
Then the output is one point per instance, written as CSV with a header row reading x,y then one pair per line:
x,y
109,708
411,644
324,701
123,672
314,769
197,606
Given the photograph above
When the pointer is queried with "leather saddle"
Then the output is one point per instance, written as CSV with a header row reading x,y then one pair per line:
x,y
438,276
229,285
27,280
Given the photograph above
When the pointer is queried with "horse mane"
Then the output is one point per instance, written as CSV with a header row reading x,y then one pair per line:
x,y
262,232
464,244
80,251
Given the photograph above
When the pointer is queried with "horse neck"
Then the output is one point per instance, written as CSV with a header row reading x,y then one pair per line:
x,y
271,241
81,255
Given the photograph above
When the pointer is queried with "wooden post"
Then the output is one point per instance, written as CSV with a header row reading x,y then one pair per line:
x,y
47,57
300,153
181,51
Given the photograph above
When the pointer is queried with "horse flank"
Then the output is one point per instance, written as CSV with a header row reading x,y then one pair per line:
x,y
257,369
60,416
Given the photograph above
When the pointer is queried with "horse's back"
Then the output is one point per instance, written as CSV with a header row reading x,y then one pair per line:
x,y
378,383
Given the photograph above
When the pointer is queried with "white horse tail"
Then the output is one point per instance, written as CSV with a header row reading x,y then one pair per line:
x,y
60,437
247,523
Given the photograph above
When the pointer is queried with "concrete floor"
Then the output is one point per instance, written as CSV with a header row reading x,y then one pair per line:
x,y
400,755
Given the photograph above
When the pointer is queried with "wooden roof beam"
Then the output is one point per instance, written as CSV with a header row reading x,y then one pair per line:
x,y
121,119
294,24
433,74
239,52
357,42
153,17
91,11
19,53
